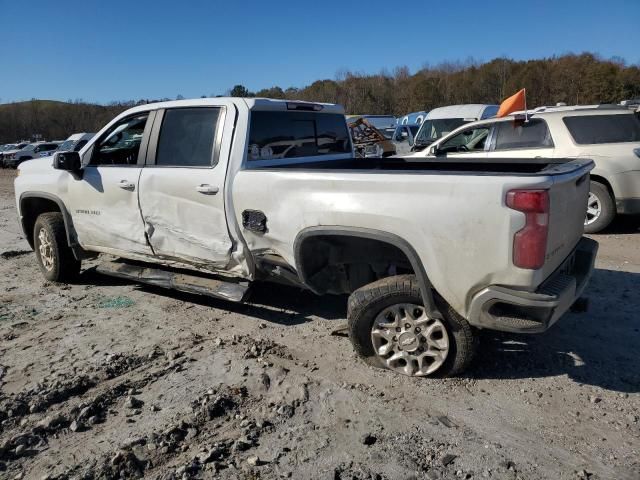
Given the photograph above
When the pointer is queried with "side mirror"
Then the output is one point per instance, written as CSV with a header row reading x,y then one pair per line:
x,y
69,161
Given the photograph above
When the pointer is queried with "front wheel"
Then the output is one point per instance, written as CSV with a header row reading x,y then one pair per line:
x,y
389,328
601,208
55,257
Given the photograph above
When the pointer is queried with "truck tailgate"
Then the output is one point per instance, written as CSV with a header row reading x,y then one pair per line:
x,y
568,206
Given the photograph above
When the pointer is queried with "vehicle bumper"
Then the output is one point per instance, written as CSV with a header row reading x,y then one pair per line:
x,y
626,188
501,308
628,206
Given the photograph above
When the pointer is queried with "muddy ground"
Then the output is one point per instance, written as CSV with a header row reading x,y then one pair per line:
x,y
104,379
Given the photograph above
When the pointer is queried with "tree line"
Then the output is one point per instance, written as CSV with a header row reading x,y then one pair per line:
x,y
574,79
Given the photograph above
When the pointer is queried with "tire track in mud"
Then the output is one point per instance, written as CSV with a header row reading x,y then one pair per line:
x,y
19,448
16,410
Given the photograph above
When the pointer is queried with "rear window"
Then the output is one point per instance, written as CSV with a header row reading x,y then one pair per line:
x,y
274,135
595,129
521,134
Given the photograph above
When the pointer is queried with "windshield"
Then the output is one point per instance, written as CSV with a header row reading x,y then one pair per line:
x,y
432,130
382,123
66,146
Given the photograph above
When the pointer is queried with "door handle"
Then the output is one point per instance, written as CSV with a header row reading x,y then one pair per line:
x,y
207,189
125,185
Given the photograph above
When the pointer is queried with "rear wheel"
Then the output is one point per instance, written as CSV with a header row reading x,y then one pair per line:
x,y
389,328
601,208
55,257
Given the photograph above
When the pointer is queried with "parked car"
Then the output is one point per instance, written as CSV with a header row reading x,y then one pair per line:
x,y
609,135
367,140
404,137
414,118
9,152
72,144
386,124
29,152
425,251
440,121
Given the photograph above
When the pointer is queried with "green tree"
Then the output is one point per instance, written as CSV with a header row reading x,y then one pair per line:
x,y
240,91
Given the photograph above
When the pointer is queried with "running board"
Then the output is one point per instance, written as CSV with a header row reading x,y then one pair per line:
x,y
174,280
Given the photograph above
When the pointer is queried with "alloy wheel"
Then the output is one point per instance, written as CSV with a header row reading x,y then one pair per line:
x,y
409,342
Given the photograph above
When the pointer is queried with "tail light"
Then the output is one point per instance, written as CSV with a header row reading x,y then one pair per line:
x,y
530,243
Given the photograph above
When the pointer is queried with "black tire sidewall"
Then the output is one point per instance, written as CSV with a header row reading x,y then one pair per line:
x,y
362,318
44,223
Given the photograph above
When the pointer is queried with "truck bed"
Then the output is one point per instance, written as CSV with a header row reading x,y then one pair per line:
x,y
452,213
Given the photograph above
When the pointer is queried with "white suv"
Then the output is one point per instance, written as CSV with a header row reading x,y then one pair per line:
x,y
607,134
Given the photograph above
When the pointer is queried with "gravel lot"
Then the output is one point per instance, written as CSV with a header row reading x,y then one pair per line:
x,y
103,379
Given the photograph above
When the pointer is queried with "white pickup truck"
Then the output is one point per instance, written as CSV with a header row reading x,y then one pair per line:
x,y
210,195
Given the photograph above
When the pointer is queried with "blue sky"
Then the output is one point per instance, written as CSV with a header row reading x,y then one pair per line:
x,y
119,50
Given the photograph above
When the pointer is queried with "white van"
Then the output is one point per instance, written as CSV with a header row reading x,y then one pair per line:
x,y
440,121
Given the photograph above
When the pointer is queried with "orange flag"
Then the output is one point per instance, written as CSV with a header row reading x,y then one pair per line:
x,y
513,104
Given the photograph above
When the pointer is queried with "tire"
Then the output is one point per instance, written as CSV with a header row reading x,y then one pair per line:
x,y
366,310
55,257
601,208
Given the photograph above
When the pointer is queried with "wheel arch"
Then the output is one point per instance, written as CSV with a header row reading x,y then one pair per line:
x,y
310,234
600,179
33,204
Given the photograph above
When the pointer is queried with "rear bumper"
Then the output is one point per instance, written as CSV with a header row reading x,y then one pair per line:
x,y
501,308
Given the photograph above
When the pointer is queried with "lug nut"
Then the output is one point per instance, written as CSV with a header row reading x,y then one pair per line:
x,y
398,329
417,329
395,339
407,326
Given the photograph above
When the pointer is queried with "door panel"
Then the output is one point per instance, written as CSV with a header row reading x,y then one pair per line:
x,y
183,210
106,214
181,193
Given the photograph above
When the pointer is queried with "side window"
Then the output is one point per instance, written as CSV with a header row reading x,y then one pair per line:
x,y
520,134
121,144
187,137
597,129
470,140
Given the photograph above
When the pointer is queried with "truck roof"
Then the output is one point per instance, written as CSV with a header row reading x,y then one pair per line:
x,y
251,103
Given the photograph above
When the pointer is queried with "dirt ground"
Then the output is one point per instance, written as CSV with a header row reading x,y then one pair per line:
x,y
104,379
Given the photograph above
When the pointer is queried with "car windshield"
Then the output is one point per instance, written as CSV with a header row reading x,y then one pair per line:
x,y
432,130
382,123
66,146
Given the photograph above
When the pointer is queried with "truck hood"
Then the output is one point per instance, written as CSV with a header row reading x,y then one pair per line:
x,y
36,165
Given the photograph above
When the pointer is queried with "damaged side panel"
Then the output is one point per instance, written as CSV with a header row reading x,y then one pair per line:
x,y
180,221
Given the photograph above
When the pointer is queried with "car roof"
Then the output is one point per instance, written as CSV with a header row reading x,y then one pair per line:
x,y
471,110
